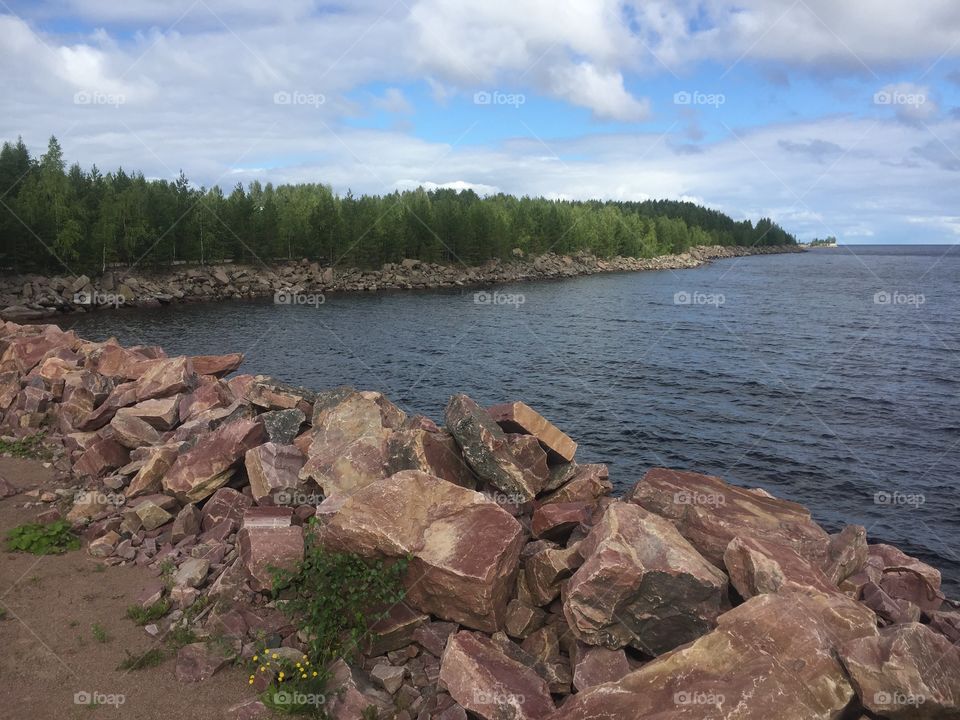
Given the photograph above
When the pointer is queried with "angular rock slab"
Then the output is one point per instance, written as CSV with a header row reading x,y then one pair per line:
x,y
487,451
485,681
760,566
518,417
435,453
265,549
909,672
772,657
272,469
210,464
710,513
464,547
642,584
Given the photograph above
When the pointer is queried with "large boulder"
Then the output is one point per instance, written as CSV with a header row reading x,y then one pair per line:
x,y
900,576
464,547
272,469
487,682
761,566
518,417
584,483
908,672
435,453
210,464
642,584
216,365
487,451
349,441
772,657
710,513
165,377
264,550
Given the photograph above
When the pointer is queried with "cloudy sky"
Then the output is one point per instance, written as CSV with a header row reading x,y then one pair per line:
x,y
835,118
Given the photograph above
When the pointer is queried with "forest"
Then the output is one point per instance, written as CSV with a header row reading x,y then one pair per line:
x,y
59,219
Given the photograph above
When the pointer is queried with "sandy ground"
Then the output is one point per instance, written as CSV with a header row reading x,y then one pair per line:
x,y
49,653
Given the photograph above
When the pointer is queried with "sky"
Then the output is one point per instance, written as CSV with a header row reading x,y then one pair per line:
x,y
833,118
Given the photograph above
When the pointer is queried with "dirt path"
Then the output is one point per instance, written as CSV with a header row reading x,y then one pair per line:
x,y
49,607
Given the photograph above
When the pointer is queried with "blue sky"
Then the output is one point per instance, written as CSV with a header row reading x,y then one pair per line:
x,y
839,119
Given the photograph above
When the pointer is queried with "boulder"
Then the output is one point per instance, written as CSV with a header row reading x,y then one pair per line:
x,y
216,365
587,484
435,453
488,683
710,513
133,432
487,451
208,395
518,417
263,550
273,468
908,672
776,653
159,413
760,566
904,577
597,665
155,465
530,456
271,394
100,456
464,547
185,524
210,464
165,377
555,521
225,504
282,426
846,553
642,584
546,568
200,661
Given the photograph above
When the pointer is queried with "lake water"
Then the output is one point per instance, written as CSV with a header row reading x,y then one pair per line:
x,y
828,378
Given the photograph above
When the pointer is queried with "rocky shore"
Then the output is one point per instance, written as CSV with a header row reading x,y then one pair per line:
x,y
31,297
530,593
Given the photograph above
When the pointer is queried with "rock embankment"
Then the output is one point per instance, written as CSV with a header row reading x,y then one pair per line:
x,y
530,592
31,297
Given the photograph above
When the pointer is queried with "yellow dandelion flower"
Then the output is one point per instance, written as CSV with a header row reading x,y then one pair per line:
x,y
281,675
274,656
262,669
251,682
314,673
254,658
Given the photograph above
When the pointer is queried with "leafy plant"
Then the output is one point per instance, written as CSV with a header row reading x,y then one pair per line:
x,y
100,633
333,598
294,686
28,447
180,636
40,539
143,615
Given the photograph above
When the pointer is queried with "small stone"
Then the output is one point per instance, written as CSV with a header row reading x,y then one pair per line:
x,y
388,677
192,573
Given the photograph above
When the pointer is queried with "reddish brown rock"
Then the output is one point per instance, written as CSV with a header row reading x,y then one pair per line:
x,y
273,468
355,694
555,521
160,413
530,456
642,584
518,417
132,432
186,523
710,513
100,456
487,451
846,553
598,665
392,629
905,578
225,504
908,672
208,395
216,365
464,547
546,569
588,484
166,377
264,549
208,466
270,394
947,623
25,352
760,566
121,396
155,465
776,651
485,681
892,611
435,453
523,619
200,661
344,469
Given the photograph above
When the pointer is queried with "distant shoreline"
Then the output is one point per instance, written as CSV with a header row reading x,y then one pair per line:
x,y
35,297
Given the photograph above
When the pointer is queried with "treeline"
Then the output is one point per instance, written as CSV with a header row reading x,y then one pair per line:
x,y
54,219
